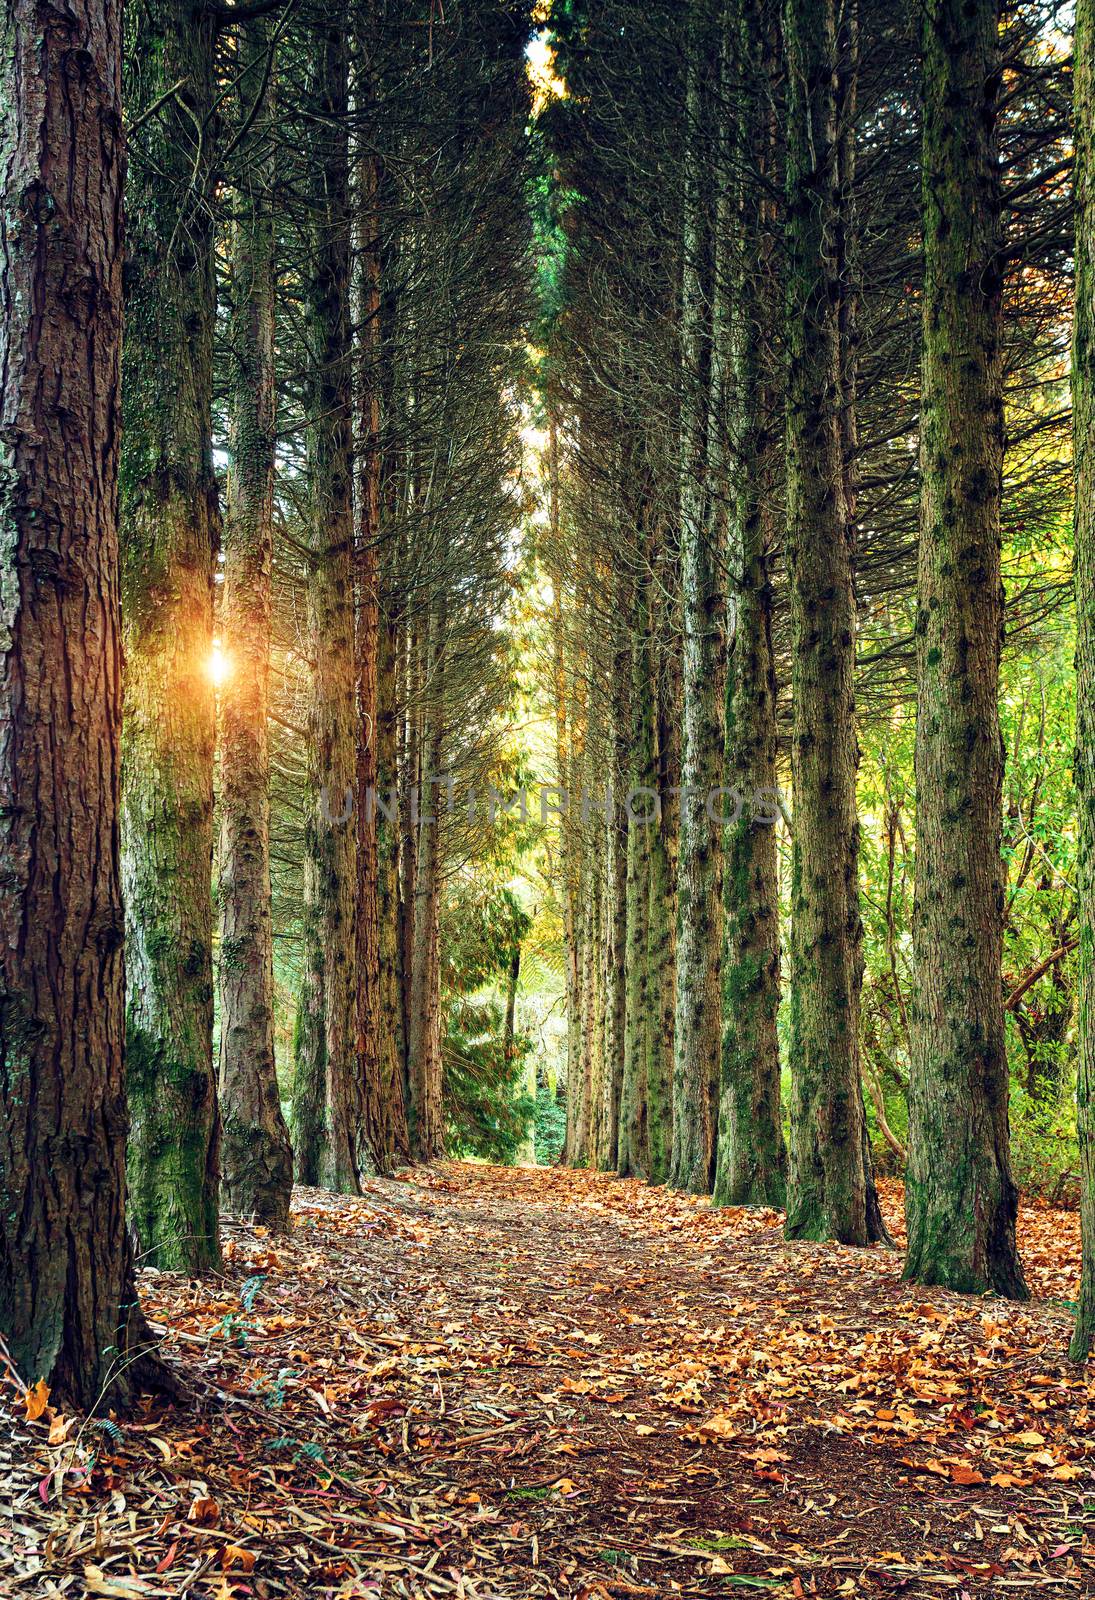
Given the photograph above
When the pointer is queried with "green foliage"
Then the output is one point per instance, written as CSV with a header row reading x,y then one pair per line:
x,y
486,1110
482,926
551,1126
1037,707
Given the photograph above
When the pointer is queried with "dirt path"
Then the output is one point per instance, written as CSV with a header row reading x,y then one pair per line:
x,y
496,1382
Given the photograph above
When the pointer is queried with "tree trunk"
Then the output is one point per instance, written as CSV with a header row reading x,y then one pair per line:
x,y
699,864
426,1129
66,1276
257,1161
395,1145
960,1200
633,1157
309,1034
587,995
509,1024
752,1159
330,833
169,535
661,929
409,806
828,1177
373,1137
617,896
1083,401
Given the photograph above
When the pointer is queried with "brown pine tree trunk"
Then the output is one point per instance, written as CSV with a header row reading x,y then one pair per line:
x,y
393,1048
373,1138
66,1283
423,1034
256,1158
960,1199
330,836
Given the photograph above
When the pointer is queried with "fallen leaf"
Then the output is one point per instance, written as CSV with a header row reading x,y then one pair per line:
x,y
36,1399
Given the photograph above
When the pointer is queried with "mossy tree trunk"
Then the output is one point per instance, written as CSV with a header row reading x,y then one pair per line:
x,y
169,536
1083,402
752,1159
699,863
960,1200
256,1158
327,1107
828,1177
574,680
67,1299
589,921
633,1157
616,856
661,927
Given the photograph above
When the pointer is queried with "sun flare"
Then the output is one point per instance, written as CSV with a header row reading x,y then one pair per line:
x,y
219,665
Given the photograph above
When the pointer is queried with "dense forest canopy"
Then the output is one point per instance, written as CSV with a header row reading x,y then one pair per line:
x,y
547,578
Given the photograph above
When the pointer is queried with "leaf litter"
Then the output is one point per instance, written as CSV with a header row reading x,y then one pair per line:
x,y
513,1382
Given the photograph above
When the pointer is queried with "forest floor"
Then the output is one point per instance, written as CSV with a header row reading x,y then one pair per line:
x,y
495,1382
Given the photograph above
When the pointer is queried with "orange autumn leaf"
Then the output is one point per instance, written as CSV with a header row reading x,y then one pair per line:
x,y
234,1555
204,1511
36,1399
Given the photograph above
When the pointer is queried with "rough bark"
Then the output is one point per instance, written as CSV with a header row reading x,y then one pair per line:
x,y
960,1199
394,1145
587,949
1083,402
373,1141
699,862
256,1157
752,1159
169,535
330,834
828,1178
410,779
424,1111
309,1039
633,1155
661,929
616,841
66,1273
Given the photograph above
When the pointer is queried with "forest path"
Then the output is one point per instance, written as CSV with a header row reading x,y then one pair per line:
x,y
498,1382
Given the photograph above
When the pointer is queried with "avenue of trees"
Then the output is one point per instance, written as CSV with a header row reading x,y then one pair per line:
x,y
806,383
798,301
